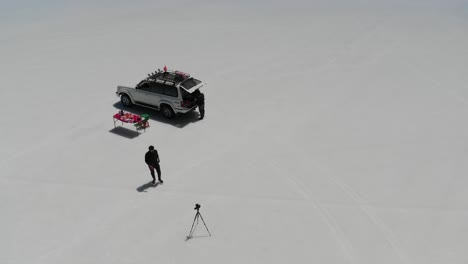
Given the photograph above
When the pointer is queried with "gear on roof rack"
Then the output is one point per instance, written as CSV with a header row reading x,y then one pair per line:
x,y
171,76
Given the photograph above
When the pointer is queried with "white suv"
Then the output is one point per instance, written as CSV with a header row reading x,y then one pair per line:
x,y
172,92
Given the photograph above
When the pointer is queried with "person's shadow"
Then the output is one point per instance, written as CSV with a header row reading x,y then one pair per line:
x,y
146,186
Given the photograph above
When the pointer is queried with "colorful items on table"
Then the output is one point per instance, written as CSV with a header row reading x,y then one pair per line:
x,y
140,122
127,117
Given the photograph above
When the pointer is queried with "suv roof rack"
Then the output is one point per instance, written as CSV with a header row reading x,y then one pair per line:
x,y
171,76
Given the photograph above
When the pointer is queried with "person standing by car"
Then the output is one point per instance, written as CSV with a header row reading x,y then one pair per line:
x,y
152,160
201,104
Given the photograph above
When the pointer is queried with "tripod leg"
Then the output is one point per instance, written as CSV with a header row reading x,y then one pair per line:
x,y
191,229
205,225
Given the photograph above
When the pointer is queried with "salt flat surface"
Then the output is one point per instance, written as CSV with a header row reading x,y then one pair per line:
x,y
334,132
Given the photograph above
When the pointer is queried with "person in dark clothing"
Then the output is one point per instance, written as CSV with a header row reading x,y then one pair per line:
x,y
152,159
201,104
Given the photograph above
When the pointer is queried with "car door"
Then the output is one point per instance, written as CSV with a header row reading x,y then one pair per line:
x,y
149,94
141,93
170,95
154,95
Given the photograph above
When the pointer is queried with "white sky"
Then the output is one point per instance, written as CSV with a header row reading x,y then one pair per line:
x,y
334,132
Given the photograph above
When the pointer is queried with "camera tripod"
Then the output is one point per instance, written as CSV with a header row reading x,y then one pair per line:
x,y
197,217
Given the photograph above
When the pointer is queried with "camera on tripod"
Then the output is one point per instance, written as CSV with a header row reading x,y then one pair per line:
x,y
197,216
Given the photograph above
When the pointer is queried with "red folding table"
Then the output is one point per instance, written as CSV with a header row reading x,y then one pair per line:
x,y
138,121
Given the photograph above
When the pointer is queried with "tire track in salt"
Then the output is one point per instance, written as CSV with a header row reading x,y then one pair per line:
x,y
337,233
388,235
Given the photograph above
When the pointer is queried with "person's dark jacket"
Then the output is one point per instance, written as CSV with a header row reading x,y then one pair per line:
x,y
152,158
200,99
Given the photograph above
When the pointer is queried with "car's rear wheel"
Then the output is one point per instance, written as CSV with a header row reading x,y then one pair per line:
x,y
167,112
125,99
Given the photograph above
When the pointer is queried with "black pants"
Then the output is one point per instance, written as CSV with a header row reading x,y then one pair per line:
x,y
201,108
158,170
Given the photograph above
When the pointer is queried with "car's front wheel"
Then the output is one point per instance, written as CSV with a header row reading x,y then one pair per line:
x,y
167,111
125,99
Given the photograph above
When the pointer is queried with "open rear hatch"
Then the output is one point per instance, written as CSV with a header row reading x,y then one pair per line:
x,y
192,84
190,91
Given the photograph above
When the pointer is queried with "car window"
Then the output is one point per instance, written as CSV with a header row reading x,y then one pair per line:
x,y
170,91
189,83
157,88
144,86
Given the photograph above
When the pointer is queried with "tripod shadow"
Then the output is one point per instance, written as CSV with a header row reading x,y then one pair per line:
x,y
145,186
190,237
